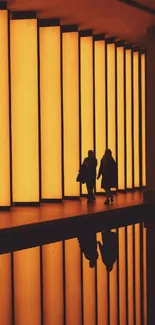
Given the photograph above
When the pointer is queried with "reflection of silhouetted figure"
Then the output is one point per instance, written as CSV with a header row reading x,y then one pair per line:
x,y
88,245
108,170
90,163
109,249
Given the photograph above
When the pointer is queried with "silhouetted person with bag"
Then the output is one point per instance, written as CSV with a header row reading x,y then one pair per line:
x,y
109,249
90,163
88,245
108,170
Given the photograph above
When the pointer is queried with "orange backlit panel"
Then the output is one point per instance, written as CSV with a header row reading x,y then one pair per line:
x,y
89,308
143,91
86,59
24,106
137,275
113,293
6,294
122,276
102,294
4,112
27,287
120,118
71,112
73,282
111,100
130,275
100,102
53,284
136,117
128,120
50,95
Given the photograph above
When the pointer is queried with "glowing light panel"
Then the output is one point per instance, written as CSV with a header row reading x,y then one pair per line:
x,y
100,102
73,282
71,112
27,287
143,91
50,95
5,283
86,59
111,98
24,115
53,284
128,120
136,118
120,117
4,112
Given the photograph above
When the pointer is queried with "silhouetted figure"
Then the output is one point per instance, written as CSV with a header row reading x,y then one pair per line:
x,y
108,170
88,245
90,164
109,249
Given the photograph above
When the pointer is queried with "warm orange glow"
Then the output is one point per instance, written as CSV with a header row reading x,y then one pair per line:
x,y
122,276
113,293
128,120
27,287
111,98
5,285
50,91
145,275
53,284
71,112
4,112
143,91
102,295
136,118
137,274
73,282
24,104
88,293
100,117
86,52
120,117
130,275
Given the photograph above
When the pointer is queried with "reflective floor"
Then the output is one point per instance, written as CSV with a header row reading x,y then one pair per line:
x,y
96,279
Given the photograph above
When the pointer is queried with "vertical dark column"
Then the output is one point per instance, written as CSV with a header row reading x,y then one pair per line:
x,y
116,110
140,118
41,286
12,287
106,89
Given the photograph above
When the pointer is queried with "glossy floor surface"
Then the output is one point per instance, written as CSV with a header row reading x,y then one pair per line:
x,y
19,216
96,279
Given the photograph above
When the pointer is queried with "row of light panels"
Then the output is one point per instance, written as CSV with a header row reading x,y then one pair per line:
x,y
60,95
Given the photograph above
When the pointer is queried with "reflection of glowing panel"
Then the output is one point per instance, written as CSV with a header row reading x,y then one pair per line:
x,y
71,112
50,91
120,117
27,287
100,111
86,59
137,274
122,276
4,112
73,282
5,285
143,91
89,306
102,294
145,275
128,120
24,105
53,284
113,293
111,98
130,275
136,118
